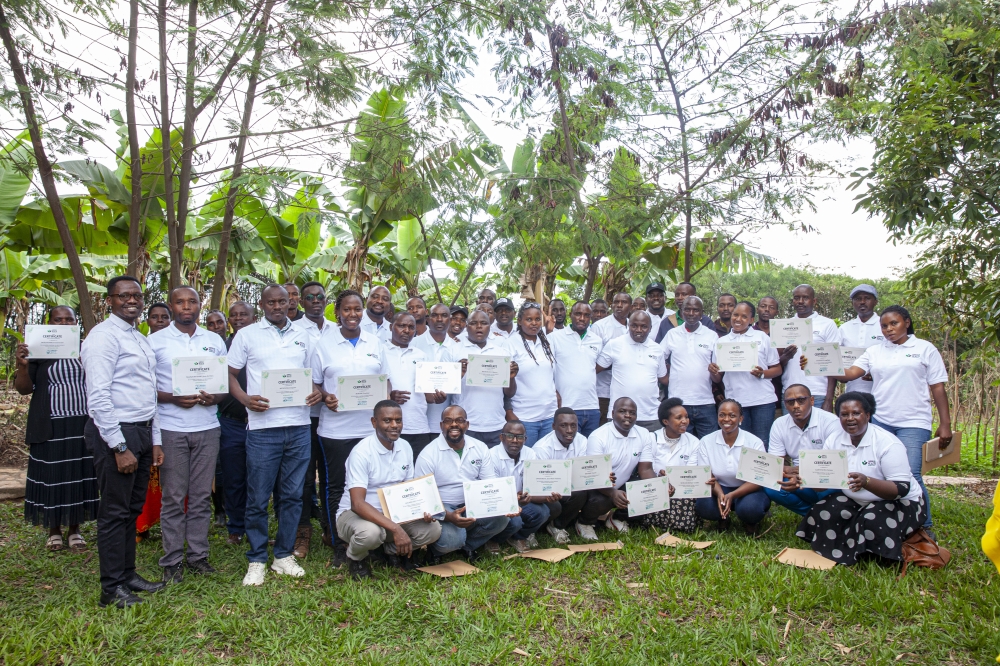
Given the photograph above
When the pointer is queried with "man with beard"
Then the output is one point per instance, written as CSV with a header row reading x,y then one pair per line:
x,y
503,322
437,346
556,320
376,319
656,297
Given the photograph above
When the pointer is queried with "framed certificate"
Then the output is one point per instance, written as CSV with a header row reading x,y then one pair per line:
x,y
822,359
760,467
787,332
690,481
433,377
487,370
736,356
648,496
848,355
49,342
410,500
544,477
191,374
286,388
491,497
823,469
358,392
591,472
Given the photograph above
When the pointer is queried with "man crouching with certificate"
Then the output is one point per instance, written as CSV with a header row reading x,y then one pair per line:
x,y
377,461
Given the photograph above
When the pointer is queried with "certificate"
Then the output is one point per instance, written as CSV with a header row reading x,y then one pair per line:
x,y
486,370
286,388
410,500
591,472
736,356
850,354
761,468
822,359
648,496
358,392
823,469
788,332
544,477
431,377
52,341
690,481
190,374
490,497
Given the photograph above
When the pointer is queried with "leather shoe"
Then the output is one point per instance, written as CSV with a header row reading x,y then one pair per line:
x,y
173,573
140,584
200,566
234,539
120,597
302,537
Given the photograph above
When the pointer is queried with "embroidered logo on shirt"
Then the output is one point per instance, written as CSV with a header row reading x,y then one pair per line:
x,y
299,343
868,462
913,356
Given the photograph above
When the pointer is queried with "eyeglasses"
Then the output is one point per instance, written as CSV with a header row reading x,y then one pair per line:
x,y
514,438
134,296
797,401
450,422
314,297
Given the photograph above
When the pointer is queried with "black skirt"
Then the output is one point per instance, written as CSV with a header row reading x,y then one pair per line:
x,y
680,517
61,487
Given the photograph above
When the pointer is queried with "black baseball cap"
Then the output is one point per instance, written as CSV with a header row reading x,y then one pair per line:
x,y
656,286
460,308
503,303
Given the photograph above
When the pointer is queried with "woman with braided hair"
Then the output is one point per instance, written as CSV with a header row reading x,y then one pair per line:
x,y
535,399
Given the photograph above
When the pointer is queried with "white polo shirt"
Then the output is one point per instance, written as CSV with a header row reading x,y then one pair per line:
x,y
901,375
261,346
879,455
437,352
624,449
315,333
743,387
497,333
689,354
382,331
857,333
450,469
535,398
337,357
372,466
663,453
169,344
635,371
824,330
787,439
607,330
575,360
655,320
550,448
482,404
402,375
499,465
723,459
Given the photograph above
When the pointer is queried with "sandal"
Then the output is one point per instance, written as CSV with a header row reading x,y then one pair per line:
x,y
76,543
54,542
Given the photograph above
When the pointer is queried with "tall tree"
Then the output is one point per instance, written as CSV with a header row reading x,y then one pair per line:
x,y
135,162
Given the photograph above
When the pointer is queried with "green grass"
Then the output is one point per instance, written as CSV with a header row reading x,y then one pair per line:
x,y
730,604
970,466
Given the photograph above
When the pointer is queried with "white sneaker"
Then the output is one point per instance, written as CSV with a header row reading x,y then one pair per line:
x,y
288,566
586,531
532,541
255,574
616,525
561,536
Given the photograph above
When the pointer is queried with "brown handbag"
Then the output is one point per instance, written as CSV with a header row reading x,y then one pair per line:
x,y
923,551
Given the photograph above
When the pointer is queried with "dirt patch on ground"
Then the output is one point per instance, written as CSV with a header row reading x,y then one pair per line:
x,y
13,418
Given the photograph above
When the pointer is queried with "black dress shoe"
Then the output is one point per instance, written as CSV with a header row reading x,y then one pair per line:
x,y
140,584
200,567
339,558
471,555
121,597
358,569
173,573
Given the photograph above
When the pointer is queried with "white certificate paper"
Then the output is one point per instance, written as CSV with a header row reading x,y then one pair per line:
x,y
690,481
787,332
190,374
591,472
45,342
848,355
736,356
823,469
648,496
286,388
761,468
357,392
433,377
822,359
487,370
490,497
410,500
544,477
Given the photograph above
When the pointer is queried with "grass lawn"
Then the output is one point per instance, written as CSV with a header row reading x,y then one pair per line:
x,y
730,604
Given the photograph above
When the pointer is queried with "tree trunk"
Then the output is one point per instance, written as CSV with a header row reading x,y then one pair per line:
x,y
187,148
166,144
135,161
355,264
45,173
593,265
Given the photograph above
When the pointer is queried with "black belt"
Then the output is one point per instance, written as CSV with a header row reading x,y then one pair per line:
x,y
139,424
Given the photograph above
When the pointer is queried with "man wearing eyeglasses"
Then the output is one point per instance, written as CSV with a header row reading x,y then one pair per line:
x,y
120,369
801,428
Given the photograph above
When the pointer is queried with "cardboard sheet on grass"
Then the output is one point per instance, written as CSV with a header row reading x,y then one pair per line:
x,y
668,539
450,569
805,559
560,554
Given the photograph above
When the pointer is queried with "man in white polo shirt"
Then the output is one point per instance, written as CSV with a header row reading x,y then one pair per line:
x,y
688,353
503,323
607,329
824,330
403,358
637,369
437,346
376,318
576,349
864,330
483,404
563,443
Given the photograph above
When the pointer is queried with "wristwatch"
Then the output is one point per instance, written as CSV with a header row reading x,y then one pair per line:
x,y
121,448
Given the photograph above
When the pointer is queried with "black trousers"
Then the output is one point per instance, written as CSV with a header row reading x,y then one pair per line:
x,y
335,453
122,497
418,442
309,494
569,508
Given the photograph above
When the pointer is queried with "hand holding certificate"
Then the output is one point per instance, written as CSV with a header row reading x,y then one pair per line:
x,y
433,377
358,392
51,342
690,481
485,370
192,374
286,388
822,359
544,477
491,497
823,469
850,354
787,332
736,356
648,496
410,500
761,468
591,472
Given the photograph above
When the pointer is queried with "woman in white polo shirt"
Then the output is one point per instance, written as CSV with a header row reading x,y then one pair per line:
x,y
535,400
903,367
882,505
673,446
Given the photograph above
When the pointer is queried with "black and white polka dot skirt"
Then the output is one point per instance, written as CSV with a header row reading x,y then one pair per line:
x,y
840,529
680,517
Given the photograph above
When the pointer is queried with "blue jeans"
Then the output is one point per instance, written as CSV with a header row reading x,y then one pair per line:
x,y
270,452
757,420
750,509
588,420
233,460
535,430
470,538
704,419
913,439
798,501
532,517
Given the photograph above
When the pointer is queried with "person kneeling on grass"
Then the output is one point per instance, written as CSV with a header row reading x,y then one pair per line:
x,y
377,461
563,443
674,446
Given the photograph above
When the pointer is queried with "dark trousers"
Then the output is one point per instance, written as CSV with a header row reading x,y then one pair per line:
x,y
750,508
233,458
569,509
704,419
490,438
597,504
309,494
122,497
419,441
335,453
604,404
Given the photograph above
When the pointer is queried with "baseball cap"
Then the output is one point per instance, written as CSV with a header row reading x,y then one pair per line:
x,y
503,303
656,286
864,289
460,308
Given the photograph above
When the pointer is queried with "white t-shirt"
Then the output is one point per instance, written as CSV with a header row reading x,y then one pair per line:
x,y
382,331
857,333
437,352
824,330
787,439
743,387
608,329
655,319
450,469
663,453
635,371
372,466
402,376
879,455
689,354
482,404
901,375
169,344
550,448
575,361
337,357
535,398
624,449
498,334
315,333
499,465
723,459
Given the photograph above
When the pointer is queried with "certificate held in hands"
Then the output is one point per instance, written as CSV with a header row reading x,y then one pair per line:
x,y
431,377
690,481
191,374
787,332
761,468
544,477
848,355
410,500
491,497
51,342
591,472
486,370
736,356
357,392
286,388
822,359
648,496
823,469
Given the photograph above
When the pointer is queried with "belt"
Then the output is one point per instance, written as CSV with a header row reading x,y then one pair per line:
x,y
139,424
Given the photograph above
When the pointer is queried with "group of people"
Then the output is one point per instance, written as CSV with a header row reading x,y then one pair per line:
x,y
640,384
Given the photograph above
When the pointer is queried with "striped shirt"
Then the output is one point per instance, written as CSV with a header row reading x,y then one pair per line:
x,y
67,391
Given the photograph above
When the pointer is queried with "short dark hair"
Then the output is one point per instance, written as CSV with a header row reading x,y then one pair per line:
x,y
384,404
690,284
791,386
663,412
159,304
48,316
344,295
902,312
867,401
514,422
170,295
401,313
312,283
596,301
418,297
730,400
723,295
218,312
753,308
564,411
122,278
